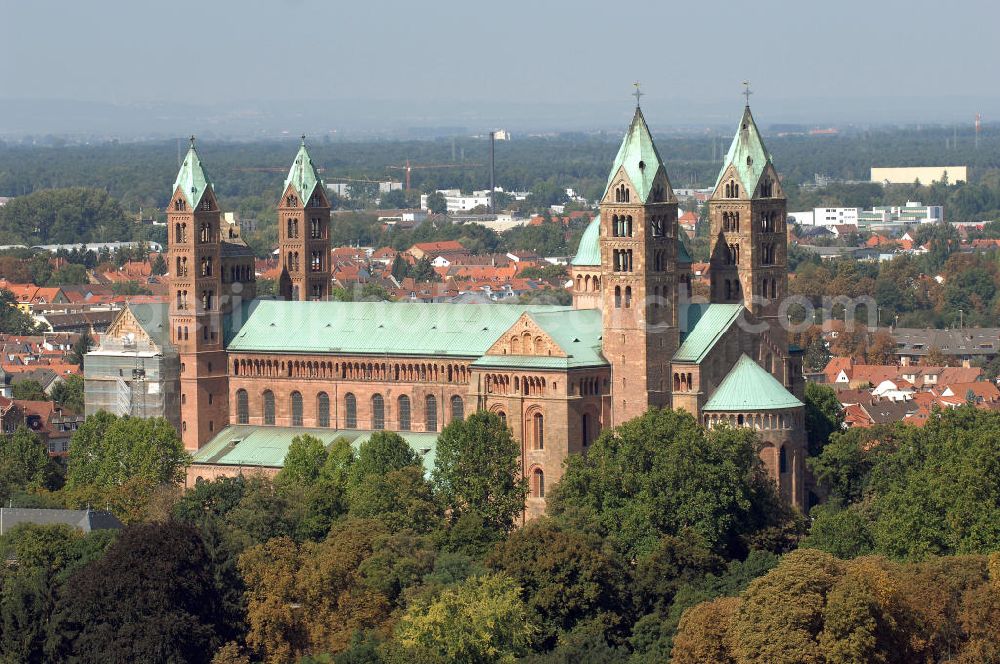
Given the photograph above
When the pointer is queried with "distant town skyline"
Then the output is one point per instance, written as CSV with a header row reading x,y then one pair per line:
x,y
261,66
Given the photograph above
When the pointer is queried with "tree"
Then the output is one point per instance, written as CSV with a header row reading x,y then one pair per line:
x,y
477,468
130,288
436,203
149,598
566,578
845,533
29,390
68,393
401,499
662,473
12,319
81,347
882,349
304,460
480,621
124,460
69,275
780,615
24,462
382,453
701,633
159,266
824,415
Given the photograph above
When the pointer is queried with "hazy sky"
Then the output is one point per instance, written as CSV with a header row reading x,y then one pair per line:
x,y
866,58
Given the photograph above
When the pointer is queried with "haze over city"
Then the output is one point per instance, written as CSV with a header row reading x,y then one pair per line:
x,y
305,65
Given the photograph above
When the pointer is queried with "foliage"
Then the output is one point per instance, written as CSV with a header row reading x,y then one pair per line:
x,y
476,468
823,415
12,319
68,393
123,461
662,473
481,621
566,578
29,390
24,463
304,460
83,344
63,216
149,598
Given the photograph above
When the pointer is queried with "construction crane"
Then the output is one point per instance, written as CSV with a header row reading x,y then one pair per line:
x,y
339,178
408,167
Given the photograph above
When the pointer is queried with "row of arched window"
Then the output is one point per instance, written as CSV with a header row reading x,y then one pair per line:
x,y
588,283
732,190
767,253
375,371
768,288
239,273
658,226
759,421
621,226
730,222
768,222
733,289
619,302
292,261
292,228
622,260
589,386
660,260
525,344
524,385
378,411
683,382
622,194
316,227
733,254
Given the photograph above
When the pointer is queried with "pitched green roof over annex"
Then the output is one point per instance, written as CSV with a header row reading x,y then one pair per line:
x,y
191,178
747,154
303,176
706,323
638,156
266,446
748,387
379,328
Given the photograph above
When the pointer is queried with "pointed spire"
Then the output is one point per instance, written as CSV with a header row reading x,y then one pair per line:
x,y
303,175
191,178
746,153
638,156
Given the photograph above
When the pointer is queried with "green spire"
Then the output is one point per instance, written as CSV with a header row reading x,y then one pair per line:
x,y
747,154
191,178
303,175
749,387
639,156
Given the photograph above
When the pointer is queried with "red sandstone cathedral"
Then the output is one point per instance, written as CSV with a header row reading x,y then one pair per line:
x,y
254,373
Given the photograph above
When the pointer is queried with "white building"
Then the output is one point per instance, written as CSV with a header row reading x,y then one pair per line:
x,y
802,218
839,216
459,202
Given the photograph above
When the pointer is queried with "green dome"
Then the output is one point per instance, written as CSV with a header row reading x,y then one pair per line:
x,y
589,251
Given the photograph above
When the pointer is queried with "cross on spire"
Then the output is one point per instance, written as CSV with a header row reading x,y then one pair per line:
x,y
637,94
303,139
747,91
192,140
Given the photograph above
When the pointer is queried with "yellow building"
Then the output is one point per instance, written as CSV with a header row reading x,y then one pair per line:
x,y
925,174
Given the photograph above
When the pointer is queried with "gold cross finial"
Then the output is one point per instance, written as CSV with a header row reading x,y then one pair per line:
x,y
747,91
637,94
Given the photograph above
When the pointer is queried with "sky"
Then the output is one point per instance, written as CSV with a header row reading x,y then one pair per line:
x,y
387,63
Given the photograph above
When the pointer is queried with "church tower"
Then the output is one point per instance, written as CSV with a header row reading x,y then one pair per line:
x,y
304,232
747,214
638,245
196,305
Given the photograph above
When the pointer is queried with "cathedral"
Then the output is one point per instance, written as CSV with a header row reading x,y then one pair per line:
x,y
256,372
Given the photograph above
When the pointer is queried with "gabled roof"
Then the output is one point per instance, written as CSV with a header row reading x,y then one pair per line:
x,y
749,387
85,520
683,257
747,154
267,446
706,323
191,178
589,250
638,156
577,332
377,328
303,176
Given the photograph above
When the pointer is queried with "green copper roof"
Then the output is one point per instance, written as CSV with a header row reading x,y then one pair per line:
x,y
749,387
706,323
246,445
378,328
747,153
577,332
303,175
638,148
589,250
682,253
191,178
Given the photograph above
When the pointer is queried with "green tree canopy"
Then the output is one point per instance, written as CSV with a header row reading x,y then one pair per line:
x,y
663,473
477,468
